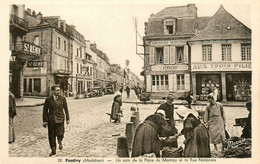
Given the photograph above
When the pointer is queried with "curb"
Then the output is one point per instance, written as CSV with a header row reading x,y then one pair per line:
x,y
150,102
33,105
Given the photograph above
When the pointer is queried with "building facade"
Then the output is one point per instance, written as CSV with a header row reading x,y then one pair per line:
x,y
54,36
221,58
102,68
23,51
166,60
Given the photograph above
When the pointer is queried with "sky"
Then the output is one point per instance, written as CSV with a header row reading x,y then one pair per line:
x,y
111,25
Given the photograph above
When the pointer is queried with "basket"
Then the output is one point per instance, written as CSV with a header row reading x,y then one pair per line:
x,y
172,152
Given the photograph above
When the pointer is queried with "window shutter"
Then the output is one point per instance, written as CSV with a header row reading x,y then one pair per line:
x,y
174,82
152,55
172,54
187,82
171,82
185,54
148,83
166,54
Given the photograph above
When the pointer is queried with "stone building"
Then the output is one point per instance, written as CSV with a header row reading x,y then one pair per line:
x,y
102,67
54,37
167,60
221,58
80,75
23,51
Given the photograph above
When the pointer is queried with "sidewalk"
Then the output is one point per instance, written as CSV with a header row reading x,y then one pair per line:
x,y
38,101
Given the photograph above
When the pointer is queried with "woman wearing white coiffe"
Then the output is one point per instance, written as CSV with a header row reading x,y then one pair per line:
x,y
215,94
214,118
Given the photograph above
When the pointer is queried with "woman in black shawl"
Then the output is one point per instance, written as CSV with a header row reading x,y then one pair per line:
x,y
116,109
146,139
196,138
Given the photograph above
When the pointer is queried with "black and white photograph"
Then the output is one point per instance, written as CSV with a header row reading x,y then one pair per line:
x,y
130,81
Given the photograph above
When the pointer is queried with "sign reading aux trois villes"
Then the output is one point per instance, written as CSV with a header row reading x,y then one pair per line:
x,y
223,66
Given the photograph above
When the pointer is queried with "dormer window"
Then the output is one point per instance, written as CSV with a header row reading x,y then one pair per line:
x,y
169,26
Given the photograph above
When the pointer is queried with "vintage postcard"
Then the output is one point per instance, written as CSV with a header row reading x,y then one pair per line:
x,y
130,81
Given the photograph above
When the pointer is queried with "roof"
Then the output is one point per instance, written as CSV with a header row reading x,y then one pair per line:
x,y
184,26
177,11
223,26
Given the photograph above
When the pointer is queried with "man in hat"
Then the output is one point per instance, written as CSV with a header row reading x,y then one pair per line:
x,y
168,107
247,128
53,117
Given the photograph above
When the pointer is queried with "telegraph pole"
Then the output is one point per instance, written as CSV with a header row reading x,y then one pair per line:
x,y
143,45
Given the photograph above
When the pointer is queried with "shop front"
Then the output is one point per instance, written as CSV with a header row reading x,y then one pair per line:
x,y
165,79
232,79
206,84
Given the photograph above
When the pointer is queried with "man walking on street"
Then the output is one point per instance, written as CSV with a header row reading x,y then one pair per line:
x,y
53,117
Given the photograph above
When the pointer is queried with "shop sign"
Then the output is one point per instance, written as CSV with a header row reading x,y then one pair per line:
x,y
30,48
12,58
35,64
170,42
169,67
234,66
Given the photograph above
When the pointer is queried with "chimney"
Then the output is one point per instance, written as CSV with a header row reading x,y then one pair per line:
x,y
33,13
29,11
94,44
39,16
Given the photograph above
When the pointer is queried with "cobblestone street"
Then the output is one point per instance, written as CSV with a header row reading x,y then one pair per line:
x,y
90,133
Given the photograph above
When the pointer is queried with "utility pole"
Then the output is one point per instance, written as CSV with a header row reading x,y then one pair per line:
x,y
135,21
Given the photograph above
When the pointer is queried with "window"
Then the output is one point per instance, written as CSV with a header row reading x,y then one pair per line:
x,y
77,52
169,27
159,55
160,82
246,51
90,70
206,53
153,80
77,67
80,52
180,82
58,43
36,40
37,85
30,85
180,58
226,52
25,85
80,69
64,46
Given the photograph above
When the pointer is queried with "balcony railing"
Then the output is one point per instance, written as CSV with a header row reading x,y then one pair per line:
x,y
20,22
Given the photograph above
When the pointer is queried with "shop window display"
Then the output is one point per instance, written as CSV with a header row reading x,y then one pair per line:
x,y
242,89
207,87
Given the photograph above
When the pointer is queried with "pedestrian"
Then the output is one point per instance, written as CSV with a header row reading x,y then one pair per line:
x,y
214,118
146,138
12,114
215,94
53,117
189,99
116,111
128,91
197,143
246,133
168,107
121,90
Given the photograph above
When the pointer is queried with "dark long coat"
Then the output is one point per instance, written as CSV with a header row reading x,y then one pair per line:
x,y
53,111
115,110
196,138
146,138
